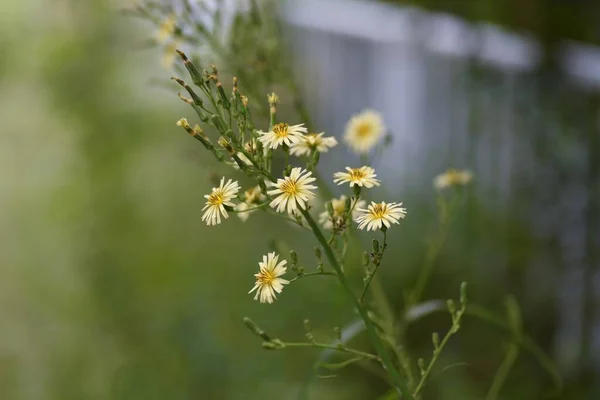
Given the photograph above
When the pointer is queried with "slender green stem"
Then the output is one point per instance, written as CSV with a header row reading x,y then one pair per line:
x,y
432,255
386,360
438,350
305,275
377,264
502,373
343,349
249,209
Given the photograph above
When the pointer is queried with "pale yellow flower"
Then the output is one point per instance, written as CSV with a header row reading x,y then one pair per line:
x,y
363,176
217,200
293,191
364,130
378,214
452,177
252,197
268,279
166,29
339,208
282,134
312,142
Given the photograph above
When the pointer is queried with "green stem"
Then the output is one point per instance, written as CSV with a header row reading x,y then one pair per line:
x,y
502,373
333,347
386,360
377,264
249,209
312,274
438,350
431,256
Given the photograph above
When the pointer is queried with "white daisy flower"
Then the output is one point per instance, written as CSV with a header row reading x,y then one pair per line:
x,y
452,177
282,134
252,197
339,208
217,200
312,142
378,214
293,191
363,176
268,279
364,130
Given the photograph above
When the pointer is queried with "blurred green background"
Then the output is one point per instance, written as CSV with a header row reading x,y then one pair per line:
x,y
112,288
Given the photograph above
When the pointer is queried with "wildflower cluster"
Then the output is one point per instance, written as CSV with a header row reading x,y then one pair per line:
x,y
292,191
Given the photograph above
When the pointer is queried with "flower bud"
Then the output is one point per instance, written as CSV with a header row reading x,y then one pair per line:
x,y
255,329
451,306
348,204
366,259
293,257
375,246
262,185
435,339
463,294
273,99
216,120
223,96
421,364
269,346
318,253
196,77
338,333
182,122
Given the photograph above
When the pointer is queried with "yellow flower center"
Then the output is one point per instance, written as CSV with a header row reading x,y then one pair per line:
x,y
364,129
216,198
265,277
356,174
280,130
454,177
289,187
312,139
378,211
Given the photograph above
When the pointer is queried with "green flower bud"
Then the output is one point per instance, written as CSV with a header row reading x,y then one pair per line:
x,y
318,252
435,339
366,259
375,246
293,257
